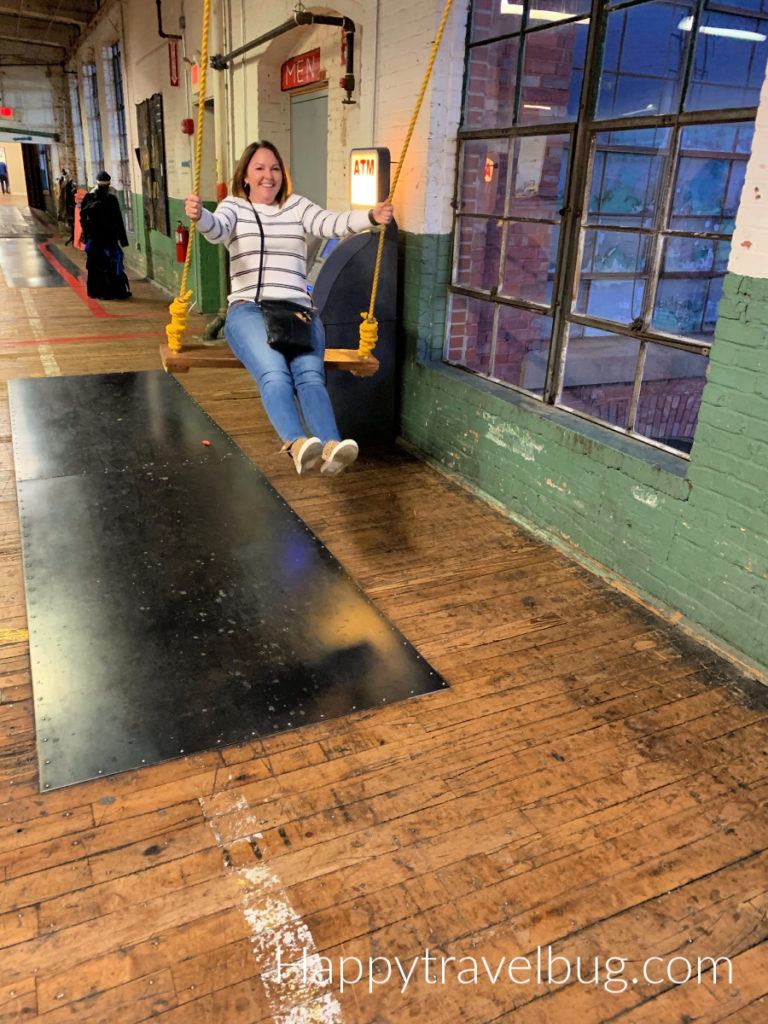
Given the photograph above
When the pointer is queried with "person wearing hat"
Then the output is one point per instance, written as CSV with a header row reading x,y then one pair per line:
x,y
65,204
101,220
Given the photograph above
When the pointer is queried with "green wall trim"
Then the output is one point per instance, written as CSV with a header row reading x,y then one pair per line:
x,y
204,274
688,538
135,257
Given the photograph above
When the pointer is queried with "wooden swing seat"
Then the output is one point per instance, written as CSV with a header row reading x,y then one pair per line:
x,y
222,357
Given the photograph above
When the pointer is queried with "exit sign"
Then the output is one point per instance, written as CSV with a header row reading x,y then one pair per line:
x,y
6,111
304,69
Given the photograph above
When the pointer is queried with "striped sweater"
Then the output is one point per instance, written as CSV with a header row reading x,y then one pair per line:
x,y
234,224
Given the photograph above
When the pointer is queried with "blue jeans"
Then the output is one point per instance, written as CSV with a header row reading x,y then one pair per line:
x,y
282,382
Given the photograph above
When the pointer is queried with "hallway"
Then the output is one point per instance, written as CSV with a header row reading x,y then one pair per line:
x,y
590,787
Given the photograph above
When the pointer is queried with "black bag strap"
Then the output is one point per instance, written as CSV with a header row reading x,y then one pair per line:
x,y
261,258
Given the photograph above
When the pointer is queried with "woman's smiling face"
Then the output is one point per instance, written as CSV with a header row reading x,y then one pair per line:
x,y
263,177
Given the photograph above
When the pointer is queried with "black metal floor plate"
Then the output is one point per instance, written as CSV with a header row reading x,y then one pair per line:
x,y
24,265
176,603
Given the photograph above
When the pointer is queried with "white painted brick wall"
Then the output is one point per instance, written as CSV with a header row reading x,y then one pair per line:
x,y
406,35
391,55
393,41
262,110
146,71
749,253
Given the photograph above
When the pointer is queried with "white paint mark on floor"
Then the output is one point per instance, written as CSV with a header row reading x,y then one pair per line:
x,y
37,330
48,359
35,323
278,935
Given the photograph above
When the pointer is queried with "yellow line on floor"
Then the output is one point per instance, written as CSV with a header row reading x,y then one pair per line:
x,y
13,636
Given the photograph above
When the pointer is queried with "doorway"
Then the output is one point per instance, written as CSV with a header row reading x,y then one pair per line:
x,y
37,173
309,145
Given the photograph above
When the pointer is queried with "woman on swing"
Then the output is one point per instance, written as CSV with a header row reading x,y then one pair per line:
x,y
263,226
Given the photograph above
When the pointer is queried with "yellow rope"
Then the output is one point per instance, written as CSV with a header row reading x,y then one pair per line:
x,y
179,308
369,328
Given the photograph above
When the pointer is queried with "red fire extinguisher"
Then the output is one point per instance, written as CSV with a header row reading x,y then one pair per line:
x,y
182,240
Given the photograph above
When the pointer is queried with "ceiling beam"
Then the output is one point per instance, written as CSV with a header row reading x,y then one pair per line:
x,y
22,53
27,30
72,12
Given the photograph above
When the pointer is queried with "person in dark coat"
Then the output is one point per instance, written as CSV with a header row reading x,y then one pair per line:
x,y
104,233
66,203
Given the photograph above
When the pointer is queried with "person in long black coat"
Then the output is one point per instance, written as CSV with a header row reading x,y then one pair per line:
x,y
103,228
66,203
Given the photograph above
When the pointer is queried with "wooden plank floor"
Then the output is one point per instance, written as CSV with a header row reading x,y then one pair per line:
x,y
591,787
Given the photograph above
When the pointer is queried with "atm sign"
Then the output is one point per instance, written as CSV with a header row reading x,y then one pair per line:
x,y
369,176
365,178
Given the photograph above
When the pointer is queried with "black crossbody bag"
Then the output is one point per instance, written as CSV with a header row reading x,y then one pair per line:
x,y
289,325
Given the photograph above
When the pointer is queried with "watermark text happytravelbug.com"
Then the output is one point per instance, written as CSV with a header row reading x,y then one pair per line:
x,y
543,967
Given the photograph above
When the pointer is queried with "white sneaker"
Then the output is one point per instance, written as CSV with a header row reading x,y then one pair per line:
x,y
305,452
337,455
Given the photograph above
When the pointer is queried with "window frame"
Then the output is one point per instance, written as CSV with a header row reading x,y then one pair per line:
x,y
118,126
90,81
583,133
77,127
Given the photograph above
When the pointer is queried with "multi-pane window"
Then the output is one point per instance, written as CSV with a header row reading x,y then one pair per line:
x,y
118,131
45,174
92,118
77,127
603,148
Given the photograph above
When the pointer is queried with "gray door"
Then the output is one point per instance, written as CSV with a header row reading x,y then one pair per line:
x,y
309,145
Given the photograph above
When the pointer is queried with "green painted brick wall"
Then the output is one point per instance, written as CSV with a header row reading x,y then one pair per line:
x,y
205,272
688,537
134,256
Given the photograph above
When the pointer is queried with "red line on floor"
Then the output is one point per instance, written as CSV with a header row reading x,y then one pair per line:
x,y
83,337
79,289
74,283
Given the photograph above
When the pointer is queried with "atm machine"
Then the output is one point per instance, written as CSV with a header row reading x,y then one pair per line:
x,y
340,279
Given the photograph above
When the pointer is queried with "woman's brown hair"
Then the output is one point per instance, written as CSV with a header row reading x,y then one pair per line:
x,y
239,187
